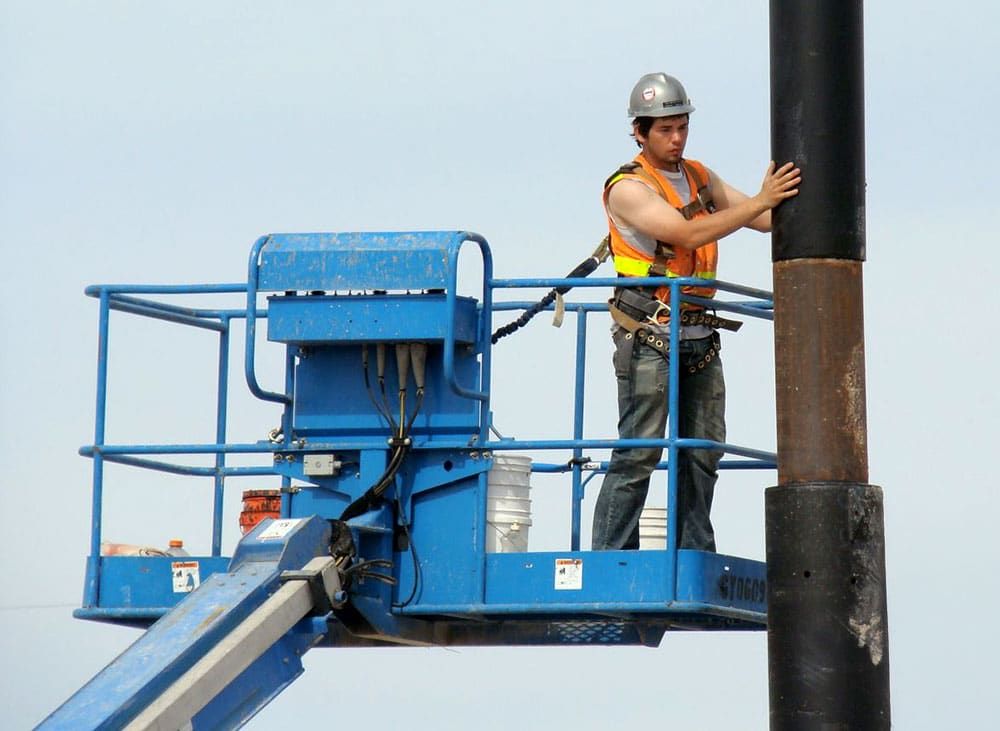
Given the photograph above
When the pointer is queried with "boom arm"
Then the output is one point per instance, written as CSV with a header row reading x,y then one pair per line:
x,y
212,660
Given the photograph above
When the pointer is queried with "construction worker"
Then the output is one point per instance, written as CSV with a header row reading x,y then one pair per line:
x,y
665,216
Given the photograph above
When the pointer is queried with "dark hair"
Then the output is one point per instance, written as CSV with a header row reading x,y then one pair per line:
x,y
642,125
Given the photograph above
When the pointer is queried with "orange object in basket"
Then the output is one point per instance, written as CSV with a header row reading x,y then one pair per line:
x,y
257,505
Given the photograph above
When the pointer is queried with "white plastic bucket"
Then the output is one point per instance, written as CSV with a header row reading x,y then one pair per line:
x,y
507,531
653,529
508,502
508,505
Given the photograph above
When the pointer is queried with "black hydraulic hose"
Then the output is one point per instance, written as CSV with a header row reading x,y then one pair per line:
x,y
371,496
583,269
368,387
417,576
413,416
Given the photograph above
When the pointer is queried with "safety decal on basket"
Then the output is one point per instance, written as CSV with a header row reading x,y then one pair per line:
x,y
278,529
185,575
569,573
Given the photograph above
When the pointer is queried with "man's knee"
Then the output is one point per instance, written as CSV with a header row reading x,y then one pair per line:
x,y
639,459
706,460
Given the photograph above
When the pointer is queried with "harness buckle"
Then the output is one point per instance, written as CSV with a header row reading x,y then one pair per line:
x,y
654,318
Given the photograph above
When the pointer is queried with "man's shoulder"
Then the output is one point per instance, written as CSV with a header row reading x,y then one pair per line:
x,y
633,188
628,169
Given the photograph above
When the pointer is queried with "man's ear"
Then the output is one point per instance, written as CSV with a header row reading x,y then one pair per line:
x,y
638,135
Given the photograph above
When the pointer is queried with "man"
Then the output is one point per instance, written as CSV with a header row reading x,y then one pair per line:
x,y
665,216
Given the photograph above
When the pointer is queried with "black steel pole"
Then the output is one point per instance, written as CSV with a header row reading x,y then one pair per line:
x,y
828,659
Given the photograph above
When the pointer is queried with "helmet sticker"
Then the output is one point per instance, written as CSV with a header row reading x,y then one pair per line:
x,y
648,94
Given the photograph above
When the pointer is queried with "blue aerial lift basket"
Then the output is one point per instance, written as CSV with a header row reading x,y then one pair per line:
x,y
385,441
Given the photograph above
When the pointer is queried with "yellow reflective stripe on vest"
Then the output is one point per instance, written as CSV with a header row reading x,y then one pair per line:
x,y
638,268
631,267
696,275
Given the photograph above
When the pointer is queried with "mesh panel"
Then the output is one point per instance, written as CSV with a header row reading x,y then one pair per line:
x,y
591,633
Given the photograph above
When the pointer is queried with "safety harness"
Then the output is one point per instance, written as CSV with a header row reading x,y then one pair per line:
x,y
638,309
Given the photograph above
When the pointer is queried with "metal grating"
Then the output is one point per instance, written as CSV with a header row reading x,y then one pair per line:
x,y
591,633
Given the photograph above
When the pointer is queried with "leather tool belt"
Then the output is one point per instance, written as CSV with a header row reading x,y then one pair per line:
x,y
657,341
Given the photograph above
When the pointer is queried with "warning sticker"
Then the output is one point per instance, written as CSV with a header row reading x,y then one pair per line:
x,y
186,576
278,529
569,573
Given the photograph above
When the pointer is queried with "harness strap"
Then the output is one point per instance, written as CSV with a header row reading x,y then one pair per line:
x,y
661,259
703,195
639,304
637,330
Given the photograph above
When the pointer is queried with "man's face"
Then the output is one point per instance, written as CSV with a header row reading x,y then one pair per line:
x,y
666,140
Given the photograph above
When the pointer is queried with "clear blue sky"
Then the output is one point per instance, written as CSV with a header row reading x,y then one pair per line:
x,y
154,142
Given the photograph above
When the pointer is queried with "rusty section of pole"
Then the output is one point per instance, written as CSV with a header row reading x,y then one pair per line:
x,y
820,371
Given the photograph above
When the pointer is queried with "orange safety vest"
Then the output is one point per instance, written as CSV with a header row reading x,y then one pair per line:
x,y
669,261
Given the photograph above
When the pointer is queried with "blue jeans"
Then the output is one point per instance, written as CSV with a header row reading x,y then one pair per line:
x,y
642,414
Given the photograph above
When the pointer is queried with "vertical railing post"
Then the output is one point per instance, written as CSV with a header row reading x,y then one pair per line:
x,y
673,431
485,384
485,415
250,354
92,582
286,427
581,361
221,405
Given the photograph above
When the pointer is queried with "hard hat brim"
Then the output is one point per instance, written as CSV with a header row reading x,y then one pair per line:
x,y
675,111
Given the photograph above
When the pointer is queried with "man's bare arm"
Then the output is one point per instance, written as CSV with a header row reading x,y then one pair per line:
x,y
639,207
726,196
